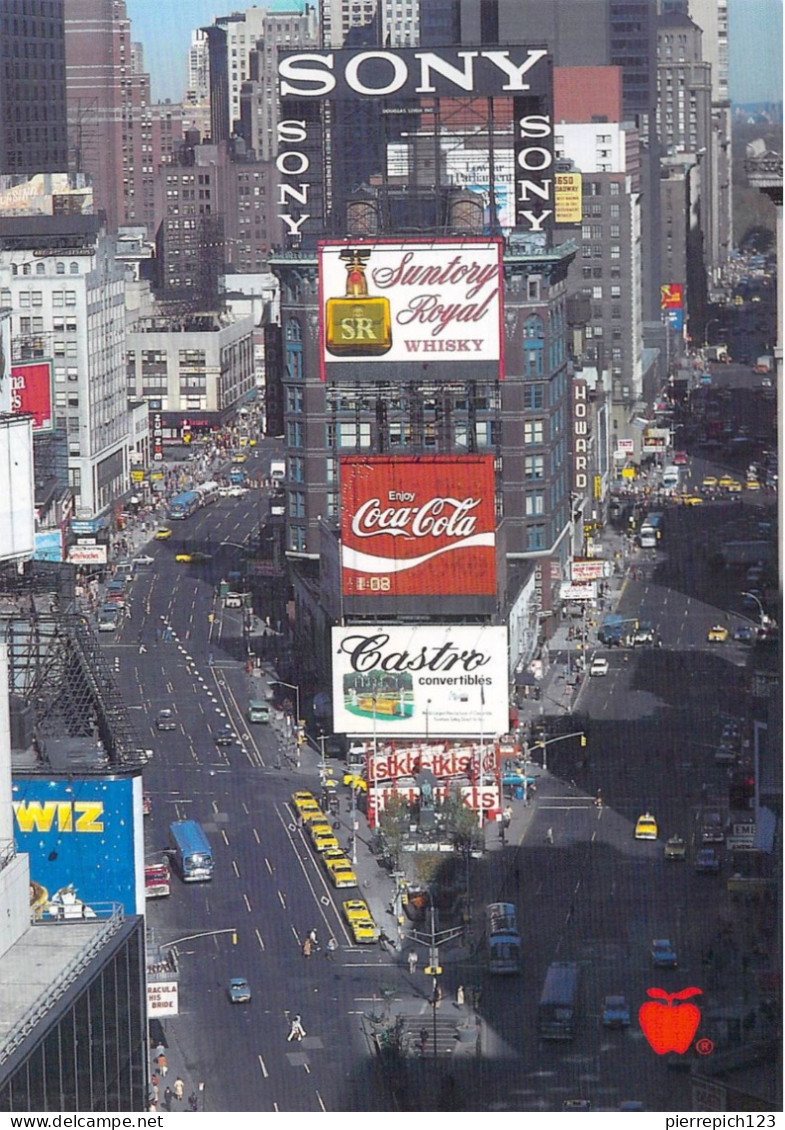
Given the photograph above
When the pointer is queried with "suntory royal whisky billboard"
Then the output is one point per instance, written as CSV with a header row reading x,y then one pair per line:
x,y
417,526
398,310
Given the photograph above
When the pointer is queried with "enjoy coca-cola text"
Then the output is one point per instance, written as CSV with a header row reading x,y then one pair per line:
x,y
438,517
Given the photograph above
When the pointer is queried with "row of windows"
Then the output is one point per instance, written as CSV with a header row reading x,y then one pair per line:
x,y
40,268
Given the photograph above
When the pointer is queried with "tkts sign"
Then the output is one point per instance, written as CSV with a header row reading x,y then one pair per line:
x,y
444,762
418,526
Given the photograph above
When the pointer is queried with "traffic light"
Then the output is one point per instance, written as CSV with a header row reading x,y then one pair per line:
x,y
583,741
433,970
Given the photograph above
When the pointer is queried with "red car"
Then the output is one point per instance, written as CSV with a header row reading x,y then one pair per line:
x,y
681,458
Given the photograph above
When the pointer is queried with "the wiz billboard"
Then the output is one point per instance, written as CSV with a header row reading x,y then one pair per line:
x,y
83,835
434,680
417,526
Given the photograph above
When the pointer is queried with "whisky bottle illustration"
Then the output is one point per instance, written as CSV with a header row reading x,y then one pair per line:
x,y
357,325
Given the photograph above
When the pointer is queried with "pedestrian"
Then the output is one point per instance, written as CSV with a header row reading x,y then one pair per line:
x,y
438,996
459,996
154,1087
307,947
179,1089
412,959
549,836
423,1039
332,946
168,1098
598,799
296,1031
507,816
314,938
162,1065
193,1102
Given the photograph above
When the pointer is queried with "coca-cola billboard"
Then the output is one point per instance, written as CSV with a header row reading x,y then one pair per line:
x,y
418,526
432,681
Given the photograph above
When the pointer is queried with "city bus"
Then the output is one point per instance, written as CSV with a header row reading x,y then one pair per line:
x,y
184,505
504,941
651,531
190,851
208,492
556,1016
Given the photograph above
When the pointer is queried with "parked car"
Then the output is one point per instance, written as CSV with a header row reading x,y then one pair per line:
x,y
663,955
239,990
615,1012
165,720
707,862
646,827
675,848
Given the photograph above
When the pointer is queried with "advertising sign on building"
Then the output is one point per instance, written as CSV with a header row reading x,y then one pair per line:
x,y
580,431
485,798
390,308
589,569
162,998
568,198
82,835
438,680
470,760
31,391
418,525
671,296
17,523
87,554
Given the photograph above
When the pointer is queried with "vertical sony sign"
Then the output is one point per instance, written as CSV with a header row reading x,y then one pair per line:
x,y
534,180
580,432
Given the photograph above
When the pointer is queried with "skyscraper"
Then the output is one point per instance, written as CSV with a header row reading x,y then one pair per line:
x,y
33,135
116,134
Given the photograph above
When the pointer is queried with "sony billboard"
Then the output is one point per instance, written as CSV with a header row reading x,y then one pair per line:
x,y
522,74
417,526
432,681
393,310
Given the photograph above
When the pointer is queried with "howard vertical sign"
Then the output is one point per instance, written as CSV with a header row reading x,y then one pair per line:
x,y
580,432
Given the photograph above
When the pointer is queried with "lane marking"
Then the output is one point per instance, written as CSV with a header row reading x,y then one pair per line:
x,y
282,900
262,1066
236,868
268,865
259,937
256,836
247,904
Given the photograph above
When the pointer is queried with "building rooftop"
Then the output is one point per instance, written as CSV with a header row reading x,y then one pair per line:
x,y
36,971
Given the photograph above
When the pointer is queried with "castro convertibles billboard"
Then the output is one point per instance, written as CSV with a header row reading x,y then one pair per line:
x,y
84,839
387,307
433,681
418,525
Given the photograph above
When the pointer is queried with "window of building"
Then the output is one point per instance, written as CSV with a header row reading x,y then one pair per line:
x,y
296,501
533,396
296,468
40,269
294,433
294,399
615,188
534,466
615,251
533,431
297,539
535,503
535,536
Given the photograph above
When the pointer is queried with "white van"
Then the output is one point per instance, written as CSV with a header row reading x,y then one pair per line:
x,y
671,477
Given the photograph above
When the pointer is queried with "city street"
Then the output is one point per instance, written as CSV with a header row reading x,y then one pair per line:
x,y
595,896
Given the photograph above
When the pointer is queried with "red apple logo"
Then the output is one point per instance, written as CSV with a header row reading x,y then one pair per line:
x,y
668,1025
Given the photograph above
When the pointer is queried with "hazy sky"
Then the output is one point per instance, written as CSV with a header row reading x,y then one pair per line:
x,y
164,27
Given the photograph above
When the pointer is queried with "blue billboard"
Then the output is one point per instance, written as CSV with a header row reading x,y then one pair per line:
x,y
83,837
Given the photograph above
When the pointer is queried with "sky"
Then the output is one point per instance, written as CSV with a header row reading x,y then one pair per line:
x,y
164,27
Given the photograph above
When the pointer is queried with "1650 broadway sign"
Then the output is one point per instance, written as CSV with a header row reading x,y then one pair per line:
x,y
418,526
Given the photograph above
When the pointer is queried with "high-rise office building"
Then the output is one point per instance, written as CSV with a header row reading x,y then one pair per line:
x,y
33,134
117,135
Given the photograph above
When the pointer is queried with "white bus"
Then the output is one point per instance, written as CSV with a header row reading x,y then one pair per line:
x,y
504,941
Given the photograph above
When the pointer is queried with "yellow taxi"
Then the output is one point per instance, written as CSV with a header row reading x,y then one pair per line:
x,y
752,484
302,801
163,534
725,481
360,921
322,835
355,781
339,869
709,483
240,457
690,500
646,827
733,487
717,633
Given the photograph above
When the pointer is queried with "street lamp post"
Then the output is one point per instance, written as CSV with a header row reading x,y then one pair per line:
x,y
764,619
296,689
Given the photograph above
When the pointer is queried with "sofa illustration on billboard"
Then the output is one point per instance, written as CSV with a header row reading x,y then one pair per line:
x,y
376,694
